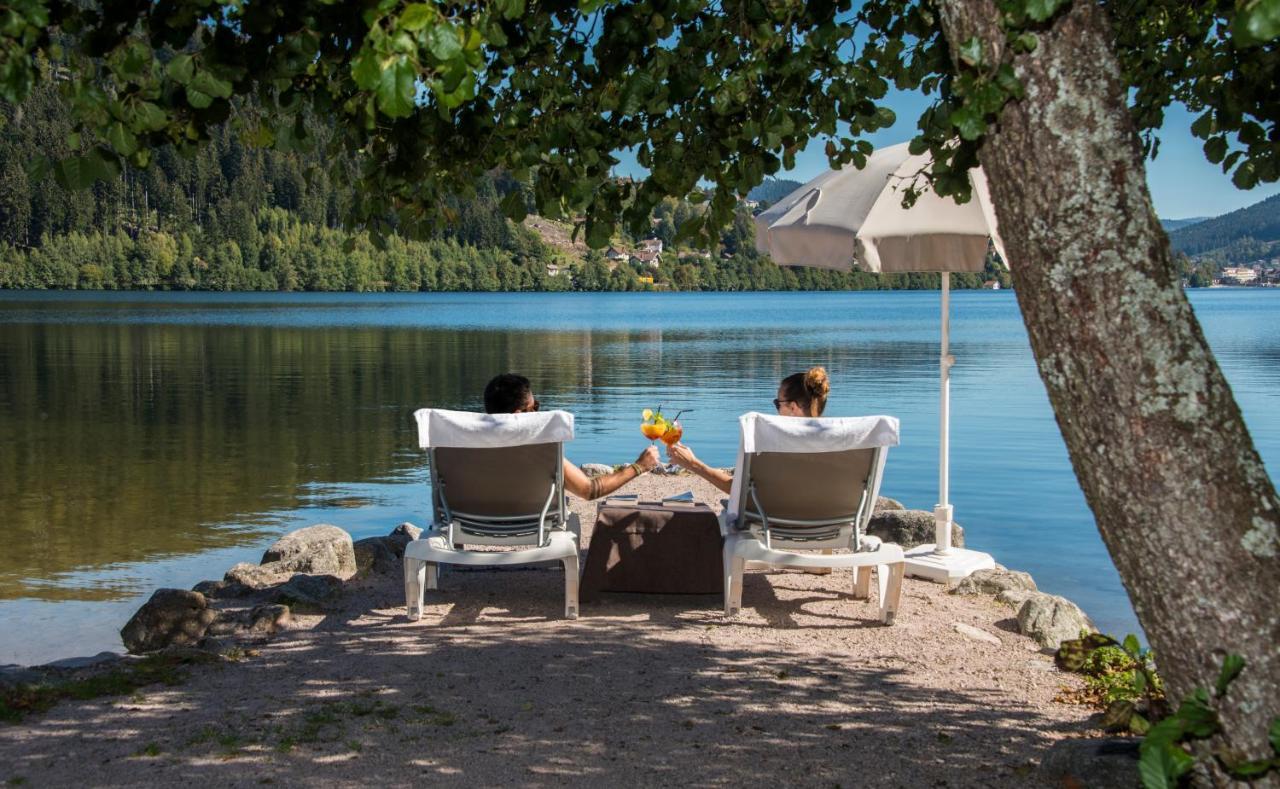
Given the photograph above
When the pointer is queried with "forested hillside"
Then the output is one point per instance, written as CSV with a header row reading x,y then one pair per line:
x,y
1242,236
238,217
773,190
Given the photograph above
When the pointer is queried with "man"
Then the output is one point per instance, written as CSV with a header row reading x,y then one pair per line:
x,y
512,394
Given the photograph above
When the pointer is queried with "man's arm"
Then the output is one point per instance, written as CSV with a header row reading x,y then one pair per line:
x,y
584,487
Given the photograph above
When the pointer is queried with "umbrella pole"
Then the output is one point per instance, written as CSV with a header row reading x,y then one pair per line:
x,y
942,512
939,561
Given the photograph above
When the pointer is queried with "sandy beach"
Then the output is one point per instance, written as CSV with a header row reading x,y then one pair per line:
x,y
492,686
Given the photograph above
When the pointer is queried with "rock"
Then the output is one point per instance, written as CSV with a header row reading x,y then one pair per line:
x,y
172,617
885,504
969,631
1050,619
220,590
909,528
13,675
401,536
1095,763
256,576
596,469
1014,598
85,662
376,555
267,619
993,582
317,550
228,623
309,591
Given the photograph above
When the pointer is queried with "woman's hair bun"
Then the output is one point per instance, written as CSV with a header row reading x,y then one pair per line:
x,y
816,382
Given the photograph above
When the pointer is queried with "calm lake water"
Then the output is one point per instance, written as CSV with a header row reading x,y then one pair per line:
x,y
154,440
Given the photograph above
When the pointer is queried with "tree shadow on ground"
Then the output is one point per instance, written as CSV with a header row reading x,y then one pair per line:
x,y
493,687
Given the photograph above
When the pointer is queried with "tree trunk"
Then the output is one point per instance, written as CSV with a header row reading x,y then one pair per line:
x,y
1179,493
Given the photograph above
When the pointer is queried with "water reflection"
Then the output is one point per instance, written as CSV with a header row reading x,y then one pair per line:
x,y
154,439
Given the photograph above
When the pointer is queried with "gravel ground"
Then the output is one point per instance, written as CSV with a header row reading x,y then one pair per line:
x,y
804,687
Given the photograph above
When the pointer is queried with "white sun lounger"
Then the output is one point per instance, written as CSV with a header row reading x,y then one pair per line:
x,y
808,484
496,480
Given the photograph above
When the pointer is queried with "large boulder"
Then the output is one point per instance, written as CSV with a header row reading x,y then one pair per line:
x,y
909,528
376,555
267,619
219,590
256,577
172,617
401,536
994,581
1050,619
596,469
885,504
317,550
308,592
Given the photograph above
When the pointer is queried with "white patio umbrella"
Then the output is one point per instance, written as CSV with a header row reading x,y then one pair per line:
x,y
852,217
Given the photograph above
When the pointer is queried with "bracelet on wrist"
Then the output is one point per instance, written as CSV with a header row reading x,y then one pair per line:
x,y
637,469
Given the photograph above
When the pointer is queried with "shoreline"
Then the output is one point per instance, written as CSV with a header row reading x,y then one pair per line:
x,y
492,685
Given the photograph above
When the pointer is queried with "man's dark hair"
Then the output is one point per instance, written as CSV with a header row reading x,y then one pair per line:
x,y
505,393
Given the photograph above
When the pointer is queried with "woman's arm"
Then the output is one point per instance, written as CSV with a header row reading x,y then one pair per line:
x,y
585,487
682,456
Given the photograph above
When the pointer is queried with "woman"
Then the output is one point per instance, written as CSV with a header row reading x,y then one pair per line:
x,y
799,394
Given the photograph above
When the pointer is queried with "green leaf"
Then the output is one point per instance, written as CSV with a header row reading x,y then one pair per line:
x,y
365,69
598,233
1215,149
121,139
444,42
1198,719
1117,715
1027,42
971,51
181,68
197,99
1160,767
510,9
396,89
969,123
1203,126
1132,646
1257,22
417,16
1232,664
1040,10
1139,725
1245,176
1273,734
206,82
149,117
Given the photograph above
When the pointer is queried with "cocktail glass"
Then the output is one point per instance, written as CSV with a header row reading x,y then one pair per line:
x,y
654,425
673,433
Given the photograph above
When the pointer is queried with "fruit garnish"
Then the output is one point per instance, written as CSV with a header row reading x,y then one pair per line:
x,y
647,414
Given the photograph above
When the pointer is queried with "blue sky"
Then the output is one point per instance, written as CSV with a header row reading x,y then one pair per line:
x,y
1183,183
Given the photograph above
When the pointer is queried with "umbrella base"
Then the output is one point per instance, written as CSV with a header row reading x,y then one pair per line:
x,y
958,563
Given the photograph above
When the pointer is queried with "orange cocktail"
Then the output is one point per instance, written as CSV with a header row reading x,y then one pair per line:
x,y
654,425
673,432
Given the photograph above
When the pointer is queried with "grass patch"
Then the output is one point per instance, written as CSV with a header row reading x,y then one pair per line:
x,y
19,701
150,749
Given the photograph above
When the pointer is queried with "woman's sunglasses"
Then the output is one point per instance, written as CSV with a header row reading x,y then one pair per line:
x,y
777,404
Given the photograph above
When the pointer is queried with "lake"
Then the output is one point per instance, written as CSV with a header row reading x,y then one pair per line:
x,y
151,439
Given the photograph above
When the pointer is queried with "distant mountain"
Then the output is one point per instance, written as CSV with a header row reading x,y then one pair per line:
x,y
773,190
1241,236
1174,224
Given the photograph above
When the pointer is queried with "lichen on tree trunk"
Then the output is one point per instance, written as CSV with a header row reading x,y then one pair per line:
x,y
1157,441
